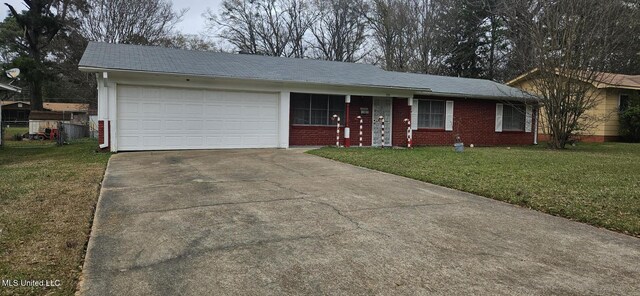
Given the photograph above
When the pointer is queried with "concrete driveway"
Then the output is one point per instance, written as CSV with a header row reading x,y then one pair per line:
x,y
255,222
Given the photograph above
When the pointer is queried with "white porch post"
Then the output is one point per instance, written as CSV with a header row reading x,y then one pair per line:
x,y
283,129
113,116
103,107
347,119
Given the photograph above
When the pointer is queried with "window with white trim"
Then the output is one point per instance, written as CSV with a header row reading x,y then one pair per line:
x,y
316,109
513,117
431,114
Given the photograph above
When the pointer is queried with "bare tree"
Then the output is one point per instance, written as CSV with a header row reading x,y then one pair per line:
x,y
267,27
237,24
430,54
394,28
301,17
190,42
570,42
146,22
340,33
409,33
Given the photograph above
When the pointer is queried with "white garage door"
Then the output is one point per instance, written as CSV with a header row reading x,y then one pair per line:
x,y
158,118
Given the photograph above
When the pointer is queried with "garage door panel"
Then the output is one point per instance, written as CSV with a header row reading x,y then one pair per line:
x,y
152,141
151,93
158,118
174,108
173,125
269,113
129,141
194,125
128,124
129,91
151,125
129,108
193,109
194,141
151,108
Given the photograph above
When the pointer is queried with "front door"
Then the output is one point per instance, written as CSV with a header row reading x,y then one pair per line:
x,y
381,107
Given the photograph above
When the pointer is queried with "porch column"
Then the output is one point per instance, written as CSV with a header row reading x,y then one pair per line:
x,y
347,115
283,128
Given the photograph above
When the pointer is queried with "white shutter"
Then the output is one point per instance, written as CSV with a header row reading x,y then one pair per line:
x,y
528,119
448,120
498,117
414,115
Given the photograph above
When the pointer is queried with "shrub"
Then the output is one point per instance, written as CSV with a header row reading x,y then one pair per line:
x,y
630,124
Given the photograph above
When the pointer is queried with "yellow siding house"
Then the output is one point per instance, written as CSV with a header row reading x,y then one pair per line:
x,y
614,94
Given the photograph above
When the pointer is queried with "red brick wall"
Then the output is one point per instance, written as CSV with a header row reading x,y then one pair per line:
x,y
357,103
101,132
473,120
398,127
301,135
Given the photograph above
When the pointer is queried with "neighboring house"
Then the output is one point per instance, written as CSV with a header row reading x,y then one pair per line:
x,y
18,112
152,98
79,112
614,92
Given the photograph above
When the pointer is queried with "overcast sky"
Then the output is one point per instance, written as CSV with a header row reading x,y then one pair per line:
x,y
192,23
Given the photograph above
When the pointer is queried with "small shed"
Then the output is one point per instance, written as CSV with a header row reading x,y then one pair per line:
x,y
39,121
15,112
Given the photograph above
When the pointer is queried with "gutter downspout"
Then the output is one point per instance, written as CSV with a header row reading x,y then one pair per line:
x,y
105,119
535,135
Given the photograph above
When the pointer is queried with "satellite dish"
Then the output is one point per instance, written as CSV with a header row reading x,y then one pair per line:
x,y
13,73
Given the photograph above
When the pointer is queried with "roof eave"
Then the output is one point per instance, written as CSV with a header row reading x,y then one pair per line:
x,y
618,86
481,97
521,77
100,69
10,88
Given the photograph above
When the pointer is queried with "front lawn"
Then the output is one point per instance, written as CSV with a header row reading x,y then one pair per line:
x,y
597,184
47,199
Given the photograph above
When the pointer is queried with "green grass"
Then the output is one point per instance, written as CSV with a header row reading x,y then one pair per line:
x,y
9,132
597,184
47,198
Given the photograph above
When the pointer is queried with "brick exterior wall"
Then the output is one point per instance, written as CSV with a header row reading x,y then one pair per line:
x,y
473,120
312,135
101,133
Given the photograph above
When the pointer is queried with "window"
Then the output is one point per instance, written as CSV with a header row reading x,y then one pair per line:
x,y
624,103
513,118
431,114
315,109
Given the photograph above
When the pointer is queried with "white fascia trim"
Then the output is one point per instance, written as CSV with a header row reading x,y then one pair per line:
x,y
400,89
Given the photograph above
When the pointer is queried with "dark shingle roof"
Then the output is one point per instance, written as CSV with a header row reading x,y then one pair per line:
x,y
107,56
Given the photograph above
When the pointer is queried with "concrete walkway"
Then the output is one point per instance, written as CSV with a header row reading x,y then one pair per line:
x,y
254,222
